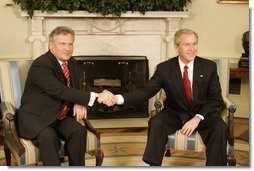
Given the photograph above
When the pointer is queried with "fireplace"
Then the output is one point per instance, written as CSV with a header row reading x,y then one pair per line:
x,y
134,34
118,74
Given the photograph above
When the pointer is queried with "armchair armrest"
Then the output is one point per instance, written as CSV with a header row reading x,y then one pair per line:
x,y
229,106
97,152
91,128
159,103
11,138
230,109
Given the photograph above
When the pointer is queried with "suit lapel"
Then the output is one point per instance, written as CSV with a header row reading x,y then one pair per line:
x,y
58,67
197,75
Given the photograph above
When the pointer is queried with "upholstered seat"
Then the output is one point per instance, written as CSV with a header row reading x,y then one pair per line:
x,y
13,76
194,142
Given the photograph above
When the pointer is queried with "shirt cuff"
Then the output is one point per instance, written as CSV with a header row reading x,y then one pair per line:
x,y
200,116
93,97
120,99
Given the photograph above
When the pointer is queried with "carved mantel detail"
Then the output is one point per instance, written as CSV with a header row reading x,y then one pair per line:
x,y
162,24
106,25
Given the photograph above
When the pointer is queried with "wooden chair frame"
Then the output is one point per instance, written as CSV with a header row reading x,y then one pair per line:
x,y
13,145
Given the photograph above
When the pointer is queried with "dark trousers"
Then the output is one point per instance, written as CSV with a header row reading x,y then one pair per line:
x,y
212,129
49,142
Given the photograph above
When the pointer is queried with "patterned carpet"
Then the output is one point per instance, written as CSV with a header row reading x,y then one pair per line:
x,y
127,150
125,147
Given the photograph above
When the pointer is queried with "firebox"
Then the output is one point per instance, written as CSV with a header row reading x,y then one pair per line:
x,y
118,74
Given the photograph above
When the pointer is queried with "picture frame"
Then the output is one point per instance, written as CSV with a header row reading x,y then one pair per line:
x,y
233,1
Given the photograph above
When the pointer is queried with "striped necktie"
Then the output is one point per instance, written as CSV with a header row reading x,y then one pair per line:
x,y
66,73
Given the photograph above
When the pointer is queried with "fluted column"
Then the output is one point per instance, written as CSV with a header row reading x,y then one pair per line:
x,y
172,25
36,38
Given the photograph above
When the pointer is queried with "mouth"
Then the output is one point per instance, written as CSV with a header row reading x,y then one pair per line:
x,y
191,54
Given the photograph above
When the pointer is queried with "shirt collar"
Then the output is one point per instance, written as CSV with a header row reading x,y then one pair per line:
x,y
190,65
60,62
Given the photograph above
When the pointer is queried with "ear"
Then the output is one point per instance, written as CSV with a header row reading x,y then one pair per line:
x,y
50,46
176,47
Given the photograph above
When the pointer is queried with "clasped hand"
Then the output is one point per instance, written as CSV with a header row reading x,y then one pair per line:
x,y
107,98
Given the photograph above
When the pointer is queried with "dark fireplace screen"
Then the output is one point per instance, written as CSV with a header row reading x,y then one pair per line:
x,y
118,74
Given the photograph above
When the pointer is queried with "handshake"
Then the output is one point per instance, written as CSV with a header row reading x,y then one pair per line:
x,y
107,98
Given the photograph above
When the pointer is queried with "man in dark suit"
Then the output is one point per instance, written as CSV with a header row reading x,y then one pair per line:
x,y
52,102
188,108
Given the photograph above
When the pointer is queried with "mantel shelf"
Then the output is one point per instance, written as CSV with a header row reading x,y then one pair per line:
x,y
129,14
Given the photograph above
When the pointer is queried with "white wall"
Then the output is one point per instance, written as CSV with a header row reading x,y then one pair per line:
x,y
220,27
13,33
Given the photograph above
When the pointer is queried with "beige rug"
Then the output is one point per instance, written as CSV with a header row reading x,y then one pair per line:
x,y
127,150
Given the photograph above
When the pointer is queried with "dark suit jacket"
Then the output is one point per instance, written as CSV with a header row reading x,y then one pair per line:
x,y
46,93
206,89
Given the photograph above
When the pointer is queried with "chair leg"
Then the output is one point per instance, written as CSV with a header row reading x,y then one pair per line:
x,y
167,153
231,160
99,155
62,159
7,153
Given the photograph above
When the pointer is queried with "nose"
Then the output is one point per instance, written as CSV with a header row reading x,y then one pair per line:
x,y
192,47
68,47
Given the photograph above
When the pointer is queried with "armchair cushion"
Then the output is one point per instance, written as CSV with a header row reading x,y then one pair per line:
x,y
178,141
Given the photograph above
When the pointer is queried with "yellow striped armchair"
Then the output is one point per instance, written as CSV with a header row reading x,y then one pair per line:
x,y
20,150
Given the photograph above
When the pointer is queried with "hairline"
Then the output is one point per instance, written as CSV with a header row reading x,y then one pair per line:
x,y
61,30
181,32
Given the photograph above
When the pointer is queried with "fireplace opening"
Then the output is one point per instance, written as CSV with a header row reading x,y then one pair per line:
x,y
118,74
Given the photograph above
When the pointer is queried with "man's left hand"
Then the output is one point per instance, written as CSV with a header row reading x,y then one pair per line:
x,y
80,112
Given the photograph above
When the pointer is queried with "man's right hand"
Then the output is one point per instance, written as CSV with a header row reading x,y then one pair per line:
x,y
107,98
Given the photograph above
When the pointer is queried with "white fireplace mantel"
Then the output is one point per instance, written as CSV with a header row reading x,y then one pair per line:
x,y
149,35
155,25
149,14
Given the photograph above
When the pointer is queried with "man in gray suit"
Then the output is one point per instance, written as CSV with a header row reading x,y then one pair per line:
x,y
52,102
188,107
